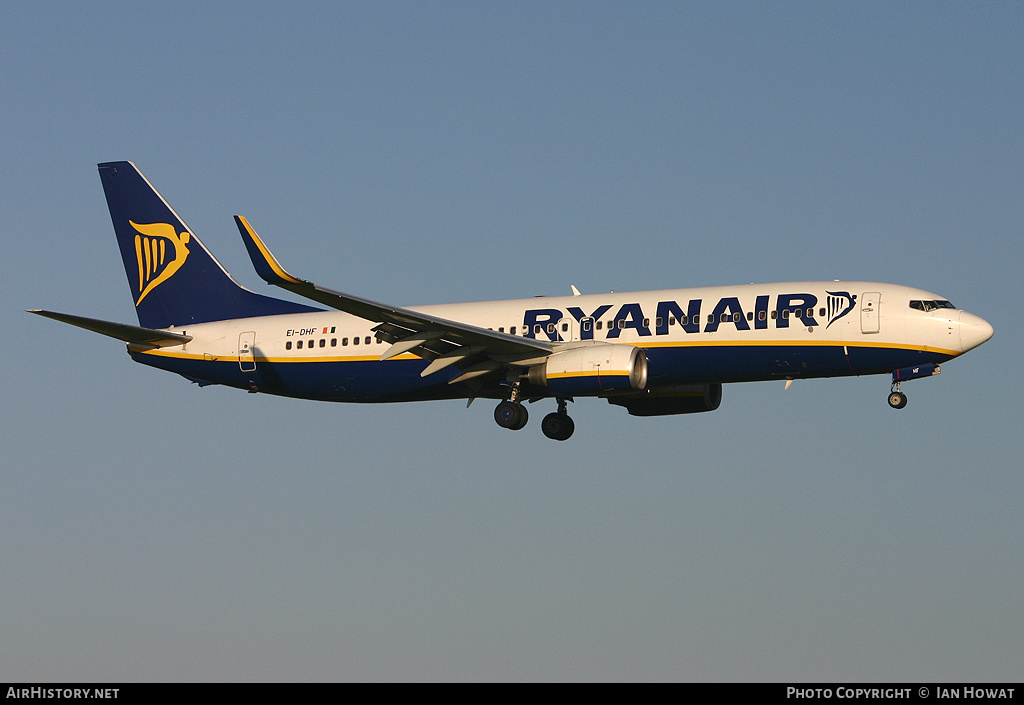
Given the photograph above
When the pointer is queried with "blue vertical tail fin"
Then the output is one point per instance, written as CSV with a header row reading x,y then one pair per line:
x,y
174,279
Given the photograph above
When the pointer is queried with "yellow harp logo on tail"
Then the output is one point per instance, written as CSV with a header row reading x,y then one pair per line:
x,y
160,252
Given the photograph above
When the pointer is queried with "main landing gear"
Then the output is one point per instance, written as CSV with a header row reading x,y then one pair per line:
x,y
558,425
512,415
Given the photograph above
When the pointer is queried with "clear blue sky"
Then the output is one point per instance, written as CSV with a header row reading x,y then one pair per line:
x,y
433,152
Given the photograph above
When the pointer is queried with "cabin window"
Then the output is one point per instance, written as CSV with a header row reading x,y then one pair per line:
x,y
565,327
821,312
501,329
298,345
683,319
334,342
344,342
323,342
512,330
366,341
775,314
750,315
724,317
311,343
711,318
735,317
536,329
355,340
647,323
658,322
762,315
288,345
551,327
785,314
810,312
599,324
622,324
671,320
586,324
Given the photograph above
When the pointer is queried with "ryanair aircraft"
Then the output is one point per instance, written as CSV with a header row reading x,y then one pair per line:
x,y
654,352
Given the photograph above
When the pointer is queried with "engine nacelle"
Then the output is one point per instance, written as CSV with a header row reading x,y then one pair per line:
x,y
592,370
684,399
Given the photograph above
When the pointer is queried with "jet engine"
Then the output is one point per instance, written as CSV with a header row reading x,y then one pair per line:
x,y
592,370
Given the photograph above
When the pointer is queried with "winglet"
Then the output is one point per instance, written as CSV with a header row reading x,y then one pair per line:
x,y
267,266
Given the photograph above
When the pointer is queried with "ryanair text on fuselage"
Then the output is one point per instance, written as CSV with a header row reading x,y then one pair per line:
x,y
787,308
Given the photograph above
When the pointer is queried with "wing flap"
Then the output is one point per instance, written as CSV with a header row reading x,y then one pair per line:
x,y
452,357
410,342
474,371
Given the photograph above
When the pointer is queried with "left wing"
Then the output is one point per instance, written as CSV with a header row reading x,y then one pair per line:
x,y
475,351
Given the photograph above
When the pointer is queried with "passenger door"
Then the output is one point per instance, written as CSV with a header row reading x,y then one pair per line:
x,y
869,304
246,351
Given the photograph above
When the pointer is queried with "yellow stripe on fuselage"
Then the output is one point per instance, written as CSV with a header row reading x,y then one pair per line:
x,y
291,359
233,356
792,344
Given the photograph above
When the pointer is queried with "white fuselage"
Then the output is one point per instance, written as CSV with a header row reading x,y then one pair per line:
x,y
712,334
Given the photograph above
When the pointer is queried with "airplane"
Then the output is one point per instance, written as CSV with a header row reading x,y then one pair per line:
x,y
653,353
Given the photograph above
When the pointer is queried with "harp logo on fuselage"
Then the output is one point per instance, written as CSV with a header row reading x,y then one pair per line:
x,y
839,303
160,251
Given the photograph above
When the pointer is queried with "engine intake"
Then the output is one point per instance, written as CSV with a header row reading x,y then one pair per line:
x,y
592,370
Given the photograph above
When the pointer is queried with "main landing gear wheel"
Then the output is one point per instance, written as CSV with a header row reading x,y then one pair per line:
x,y
558,426
511,415
897,400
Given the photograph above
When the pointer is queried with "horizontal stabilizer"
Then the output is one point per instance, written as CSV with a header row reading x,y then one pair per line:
x,y
129,334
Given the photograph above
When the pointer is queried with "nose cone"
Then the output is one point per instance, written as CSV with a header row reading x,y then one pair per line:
x,y
974,331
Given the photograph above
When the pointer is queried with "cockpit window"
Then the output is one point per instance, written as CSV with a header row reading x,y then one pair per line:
x,y
931,305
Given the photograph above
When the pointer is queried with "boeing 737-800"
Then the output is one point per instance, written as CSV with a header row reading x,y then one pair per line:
x,y
652,352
